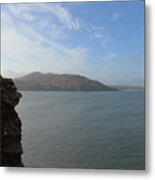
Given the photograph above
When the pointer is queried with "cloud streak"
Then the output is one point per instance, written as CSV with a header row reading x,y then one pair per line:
x,y
115,16
97,33
30,11
30,50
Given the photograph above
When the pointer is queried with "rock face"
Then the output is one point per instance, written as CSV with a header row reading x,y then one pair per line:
x,y
59,82
11,148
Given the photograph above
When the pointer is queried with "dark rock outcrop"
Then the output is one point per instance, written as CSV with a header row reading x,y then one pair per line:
x,y
59,82
11,148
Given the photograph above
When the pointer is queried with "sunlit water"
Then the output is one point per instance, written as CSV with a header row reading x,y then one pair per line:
x,y
83,129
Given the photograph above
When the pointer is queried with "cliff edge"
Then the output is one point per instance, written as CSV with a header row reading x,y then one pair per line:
x,y
11,148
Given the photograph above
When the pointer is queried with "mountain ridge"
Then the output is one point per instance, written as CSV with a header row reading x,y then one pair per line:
x,y
59,82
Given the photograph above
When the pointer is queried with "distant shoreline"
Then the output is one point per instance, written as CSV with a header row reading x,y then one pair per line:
x,y
119,87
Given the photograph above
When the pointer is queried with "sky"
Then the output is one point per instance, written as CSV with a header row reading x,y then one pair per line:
x,y
101,40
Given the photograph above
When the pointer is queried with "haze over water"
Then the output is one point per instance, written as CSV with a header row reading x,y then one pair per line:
x,y
83,129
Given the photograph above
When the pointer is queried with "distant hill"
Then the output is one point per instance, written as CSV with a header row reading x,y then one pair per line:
x,y
37,81
121,87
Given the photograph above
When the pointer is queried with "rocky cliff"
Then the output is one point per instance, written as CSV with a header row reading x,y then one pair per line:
x,y
11,148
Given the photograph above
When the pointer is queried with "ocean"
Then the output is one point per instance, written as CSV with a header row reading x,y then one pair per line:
x,y
102,130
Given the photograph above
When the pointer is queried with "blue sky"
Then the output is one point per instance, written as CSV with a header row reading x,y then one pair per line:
x,y
100,40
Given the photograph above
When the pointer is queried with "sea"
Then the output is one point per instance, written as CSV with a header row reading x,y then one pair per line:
x,y
90,130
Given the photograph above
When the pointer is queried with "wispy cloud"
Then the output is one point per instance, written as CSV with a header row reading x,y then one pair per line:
x,y
115,16
30,12
31,42
64,16
35,56
99,33
28,49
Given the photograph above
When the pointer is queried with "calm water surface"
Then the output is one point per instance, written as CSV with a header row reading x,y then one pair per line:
x,y
83,129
